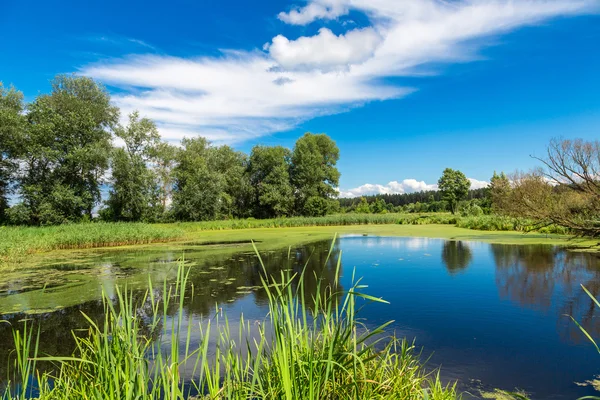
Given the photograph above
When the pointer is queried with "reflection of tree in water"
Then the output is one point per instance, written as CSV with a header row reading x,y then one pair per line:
x,y
535,276
216,280
525,274
456,255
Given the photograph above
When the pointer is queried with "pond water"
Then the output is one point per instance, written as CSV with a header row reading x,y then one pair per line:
x,y
491,315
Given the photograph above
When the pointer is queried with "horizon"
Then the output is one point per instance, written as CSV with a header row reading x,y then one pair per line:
x,y
405,89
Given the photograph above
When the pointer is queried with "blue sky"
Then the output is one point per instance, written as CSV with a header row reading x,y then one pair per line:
x,y
406,88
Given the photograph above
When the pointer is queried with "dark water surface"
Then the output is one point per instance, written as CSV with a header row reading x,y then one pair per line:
x,y
492,316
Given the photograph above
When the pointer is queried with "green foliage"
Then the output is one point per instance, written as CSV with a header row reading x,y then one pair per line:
x,y
317,207
19,214
237,196
378,207
499,192
469,209
268,172
454,187
363,207
313,170
308,347
66,148
165,157
11,127
134,191
198,188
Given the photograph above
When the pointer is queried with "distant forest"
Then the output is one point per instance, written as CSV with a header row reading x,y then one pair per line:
x,y
403,199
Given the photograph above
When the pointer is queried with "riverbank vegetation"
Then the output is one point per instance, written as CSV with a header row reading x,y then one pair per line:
x,y
16,243
310,346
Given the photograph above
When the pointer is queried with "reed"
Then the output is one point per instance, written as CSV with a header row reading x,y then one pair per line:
x,y
16,242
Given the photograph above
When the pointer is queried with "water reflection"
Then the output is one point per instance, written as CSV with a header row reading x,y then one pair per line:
x,y
456,256
546,278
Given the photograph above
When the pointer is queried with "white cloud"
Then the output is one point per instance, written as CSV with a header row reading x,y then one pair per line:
x,y
325,50
243,95
324,9
475,184
395,187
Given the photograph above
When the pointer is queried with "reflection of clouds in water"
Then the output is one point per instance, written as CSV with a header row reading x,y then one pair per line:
x,y
413,243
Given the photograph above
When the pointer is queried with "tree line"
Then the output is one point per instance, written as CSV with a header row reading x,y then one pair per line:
x,y
403,199
454,195
57,152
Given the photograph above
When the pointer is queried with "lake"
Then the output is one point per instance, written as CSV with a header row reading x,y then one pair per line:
x,y
491,315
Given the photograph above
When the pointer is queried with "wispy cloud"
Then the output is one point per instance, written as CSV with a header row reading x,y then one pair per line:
x,y
405,186
121,41
243,95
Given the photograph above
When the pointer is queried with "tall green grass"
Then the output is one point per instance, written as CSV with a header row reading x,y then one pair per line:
x,y
504,223
329,220
304,349
16,242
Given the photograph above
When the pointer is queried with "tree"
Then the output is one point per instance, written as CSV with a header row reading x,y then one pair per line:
x,y
165,158
378,206
363,206
66,150
456,255
12,123
313,170
268,171
565,192
198,188
236,195
454,186
134,195
499,191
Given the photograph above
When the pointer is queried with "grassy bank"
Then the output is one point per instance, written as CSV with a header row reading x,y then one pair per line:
x,y
310,347
17,242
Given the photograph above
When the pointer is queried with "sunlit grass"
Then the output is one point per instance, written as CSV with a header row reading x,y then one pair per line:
x,y
16,242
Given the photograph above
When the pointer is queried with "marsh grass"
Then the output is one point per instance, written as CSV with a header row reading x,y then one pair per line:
x,y
329,220
16,242
306,348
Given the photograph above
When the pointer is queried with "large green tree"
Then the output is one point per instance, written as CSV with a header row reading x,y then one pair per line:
x,y
67,146
198,187
12,123
268,171
134,195
454,186
313,169
499,192
165,160
236,190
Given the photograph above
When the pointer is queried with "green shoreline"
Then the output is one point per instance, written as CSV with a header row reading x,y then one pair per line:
x,y
80,282
229,240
